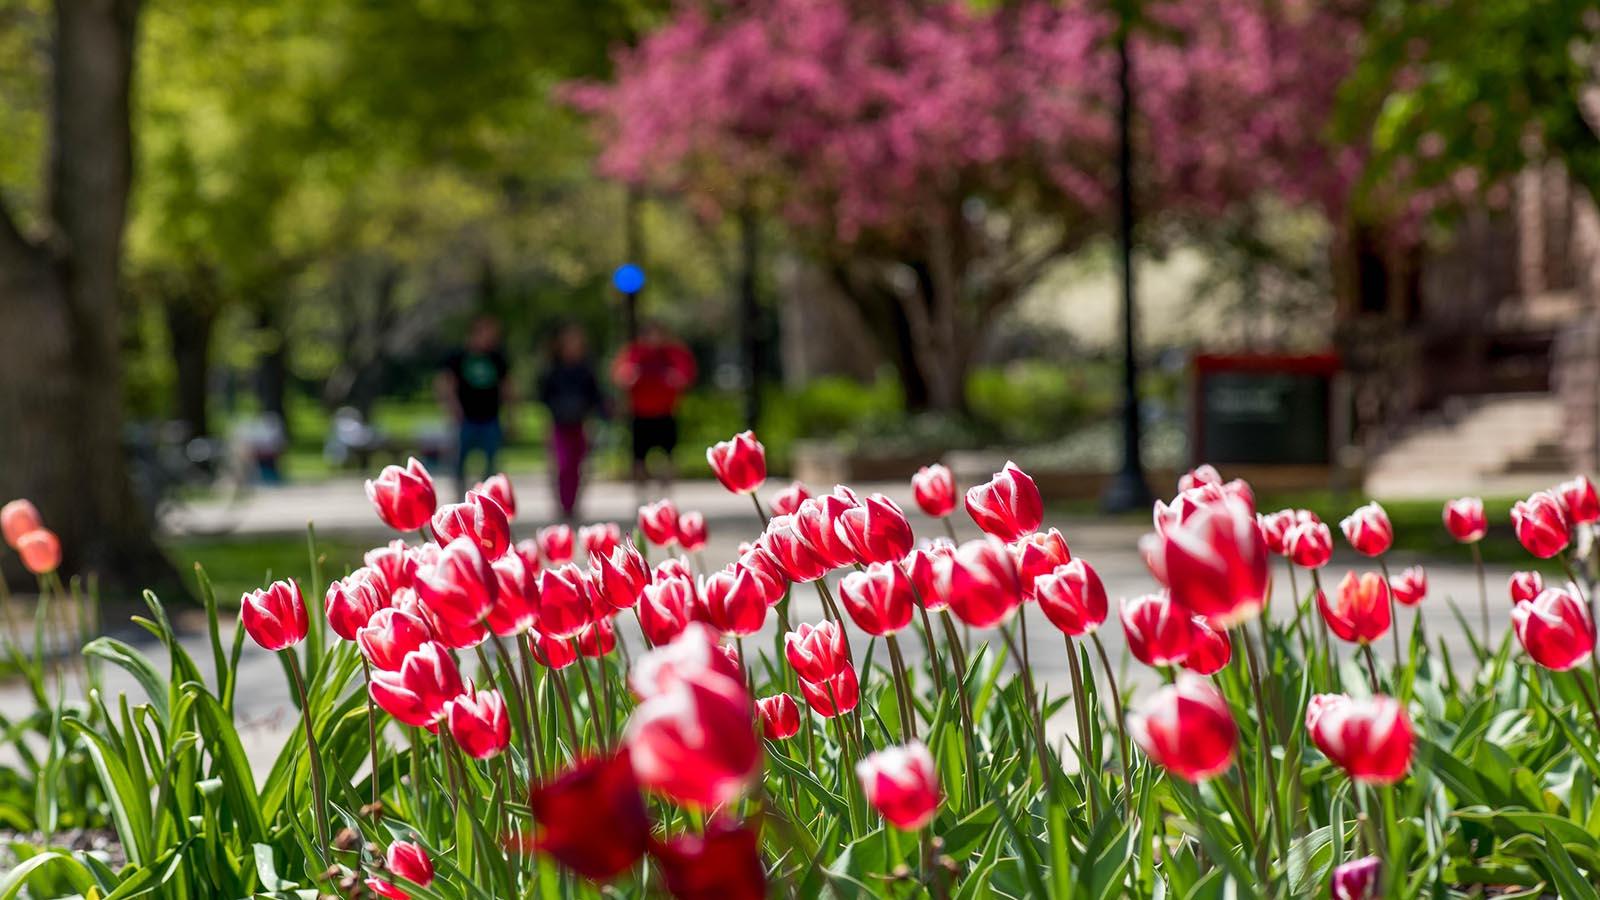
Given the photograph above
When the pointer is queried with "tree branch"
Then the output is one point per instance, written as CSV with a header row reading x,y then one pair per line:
x,y
14,246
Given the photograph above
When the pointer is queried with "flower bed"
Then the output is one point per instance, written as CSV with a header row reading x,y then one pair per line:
x,y
475,723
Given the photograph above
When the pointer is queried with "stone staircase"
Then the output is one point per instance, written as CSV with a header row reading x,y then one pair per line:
x,y
1496,445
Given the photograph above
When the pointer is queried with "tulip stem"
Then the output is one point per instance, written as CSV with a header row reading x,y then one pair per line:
x,y
761,512
828,605
933,649
1372,667
1588,699
949,529
1267,732
536,751
1322,632
318,788
902,686
1241,792
1033,707
964,704
519,707
1483,591
1081,703
372,739
602,737
1394,617
565,699
1116,698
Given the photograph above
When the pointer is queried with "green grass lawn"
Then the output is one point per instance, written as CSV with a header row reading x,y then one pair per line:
x,y
236,565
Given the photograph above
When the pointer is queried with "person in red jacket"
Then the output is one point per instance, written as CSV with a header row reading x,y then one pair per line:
x,y
654,370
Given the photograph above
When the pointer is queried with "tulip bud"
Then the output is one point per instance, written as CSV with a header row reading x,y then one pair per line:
x,y
389,635
740,463
1216,563
478,518
1039,553
1187,729
984,586
1309,544
1554,628
876,531
1159,631
665,608
929,570
1275,529
1578,494
734,600
1359,613
600,539
1200,476
817,652
1369,738
689,656
902,784
816,523
691,531
498,488
592,818
529,552
723,862
878,598
659,523
459,587
696,742
621,575
1358,879
1525,586
409,861
832,696
564,602
780,716
1007,505
934,489
418,693
765,569
1209,648
275,616
403,497
1410,586
352,601
1465,521
794,557
40,550
478,723
1541,524
1072,598
1368,530
786,501
398,568
552,652
17,518
514,600
555,544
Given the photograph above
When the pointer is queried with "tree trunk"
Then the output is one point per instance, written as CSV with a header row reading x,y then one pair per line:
x,y
60,368
272,370
190,324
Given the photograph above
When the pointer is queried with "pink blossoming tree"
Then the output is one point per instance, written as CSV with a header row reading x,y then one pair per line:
x,y
934,158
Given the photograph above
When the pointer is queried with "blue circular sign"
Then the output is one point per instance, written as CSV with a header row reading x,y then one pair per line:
x,y
628,278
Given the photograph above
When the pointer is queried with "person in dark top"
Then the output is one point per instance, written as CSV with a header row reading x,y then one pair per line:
x,y
476,392
655,370
570,389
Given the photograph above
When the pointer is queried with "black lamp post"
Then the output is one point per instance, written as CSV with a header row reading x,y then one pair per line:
x,y
1127,489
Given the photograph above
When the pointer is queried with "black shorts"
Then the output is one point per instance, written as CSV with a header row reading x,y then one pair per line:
x,y
651,432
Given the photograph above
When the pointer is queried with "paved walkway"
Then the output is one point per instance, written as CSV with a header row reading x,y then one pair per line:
x,y
263,701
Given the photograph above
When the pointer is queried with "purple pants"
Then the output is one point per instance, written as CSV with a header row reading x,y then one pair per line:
x,y
568,445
